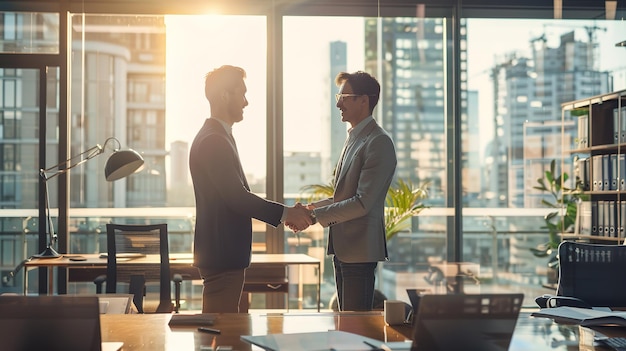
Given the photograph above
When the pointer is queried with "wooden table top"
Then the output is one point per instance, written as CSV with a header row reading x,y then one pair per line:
x,y
151,332
94,260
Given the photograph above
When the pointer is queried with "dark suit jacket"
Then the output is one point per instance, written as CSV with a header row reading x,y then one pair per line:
x,y
224,205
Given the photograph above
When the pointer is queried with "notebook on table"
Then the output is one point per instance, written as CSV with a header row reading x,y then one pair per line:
x,y
61,322
466,322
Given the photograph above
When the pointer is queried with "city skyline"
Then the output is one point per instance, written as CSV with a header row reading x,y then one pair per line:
x,y
305,80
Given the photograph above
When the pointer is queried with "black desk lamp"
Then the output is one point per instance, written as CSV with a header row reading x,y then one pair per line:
x,y
120,164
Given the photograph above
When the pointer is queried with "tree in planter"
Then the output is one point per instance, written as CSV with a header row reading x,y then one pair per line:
x,y
565,201
403,201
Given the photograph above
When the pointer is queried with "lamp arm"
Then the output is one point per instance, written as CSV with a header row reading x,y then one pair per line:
x,y
43,173
91,153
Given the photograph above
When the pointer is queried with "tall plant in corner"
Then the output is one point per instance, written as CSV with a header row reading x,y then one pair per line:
x,y
403,201
565,202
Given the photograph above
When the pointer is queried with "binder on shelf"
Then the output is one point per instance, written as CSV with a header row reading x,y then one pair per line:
x,y
622,116
594,218
596,175
583,218
613,168
606,172
582,173
606,223
621,218
621,163
611,218
583,131
617,127
619,115
600,218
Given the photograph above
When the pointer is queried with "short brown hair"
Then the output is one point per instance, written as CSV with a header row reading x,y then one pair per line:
x,y
222,79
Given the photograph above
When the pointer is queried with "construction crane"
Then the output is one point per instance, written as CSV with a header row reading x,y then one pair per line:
x,y
592,43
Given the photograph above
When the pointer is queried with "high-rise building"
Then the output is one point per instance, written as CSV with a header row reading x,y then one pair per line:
x,y
334,131
19,117
301,169
179,190
120,72
409,63
530,92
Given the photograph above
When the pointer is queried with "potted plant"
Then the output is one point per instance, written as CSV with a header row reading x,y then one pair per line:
x,y
565,202
403,201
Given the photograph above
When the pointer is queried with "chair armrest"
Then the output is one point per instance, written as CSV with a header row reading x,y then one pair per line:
x,y
178,280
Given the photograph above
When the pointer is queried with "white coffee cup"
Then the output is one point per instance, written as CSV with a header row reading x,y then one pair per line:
x,y
394,312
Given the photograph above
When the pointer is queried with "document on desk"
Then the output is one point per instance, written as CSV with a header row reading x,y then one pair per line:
x,y
317,341
583,316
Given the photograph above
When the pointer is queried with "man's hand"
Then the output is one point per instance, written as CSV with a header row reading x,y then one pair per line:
x,y
298,218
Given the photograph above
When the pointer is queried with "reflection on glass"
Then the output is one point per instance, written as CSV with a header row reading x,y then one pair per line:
x,y
30,33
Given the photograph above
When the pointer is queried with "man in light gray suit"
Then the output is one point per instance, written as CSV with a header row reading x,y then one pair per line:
x,y
355,213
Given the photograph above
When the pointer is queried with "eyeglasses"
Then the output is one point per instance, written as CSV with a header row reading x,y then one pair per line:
x,y
341,96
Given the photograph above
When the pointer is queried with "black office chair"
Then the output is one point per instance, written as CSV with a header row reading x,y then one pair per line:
x,y
593,273
126,242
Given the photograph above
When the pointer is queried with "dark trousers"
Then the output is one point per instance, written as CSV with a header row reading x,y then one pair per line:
x,y
221,290
355,285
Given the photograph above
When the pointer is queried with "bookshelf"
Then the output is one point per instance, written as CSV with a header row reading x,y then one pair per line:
x,y
597,158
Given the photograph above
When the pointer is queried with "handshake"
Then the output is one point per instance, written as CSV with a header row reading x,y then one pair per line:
x,y
299,217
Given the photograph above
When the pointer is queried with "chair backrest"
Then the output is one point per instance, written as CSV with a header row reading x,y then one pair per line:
x,y
59,322
593,273
138,254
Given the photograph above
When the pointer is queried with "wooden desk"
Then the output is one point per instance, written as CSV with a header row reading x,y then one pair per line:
x,y
151,332
267,272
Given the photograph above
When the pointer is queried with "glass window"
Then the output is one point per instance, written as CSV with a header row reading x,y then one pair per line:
x,y
392,50
140,79
517,81
30,32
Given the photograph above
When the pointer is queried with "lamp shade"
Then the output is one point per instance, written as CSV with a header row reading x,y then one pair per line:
x,y
122,163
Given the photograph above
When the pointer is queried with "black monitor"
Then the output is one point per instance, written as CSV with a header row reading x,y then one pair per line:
x,y
465,322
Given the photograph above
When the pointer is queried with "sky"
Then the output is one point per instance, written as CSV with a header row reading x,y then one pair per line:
x,y
198,44
241,41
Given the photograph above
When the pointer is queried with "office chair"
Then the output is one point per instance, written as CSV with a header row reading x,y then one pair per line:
x,y
593,273
129,246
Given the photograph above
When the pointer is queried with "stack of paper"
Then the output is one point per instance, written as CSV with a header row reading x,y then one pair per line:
x,y
330,340
583,316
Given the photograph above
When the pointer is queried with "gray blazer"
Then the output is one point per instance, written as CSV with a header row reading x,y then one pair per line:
x,y
355,213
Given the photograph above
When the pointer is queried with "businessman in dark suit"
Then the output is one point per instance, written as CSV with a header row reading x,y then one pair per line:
x,y
355,213
224,204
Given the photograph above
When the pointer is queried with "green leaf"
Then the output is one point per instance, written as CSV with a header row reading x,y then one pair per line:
x,y
403,201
